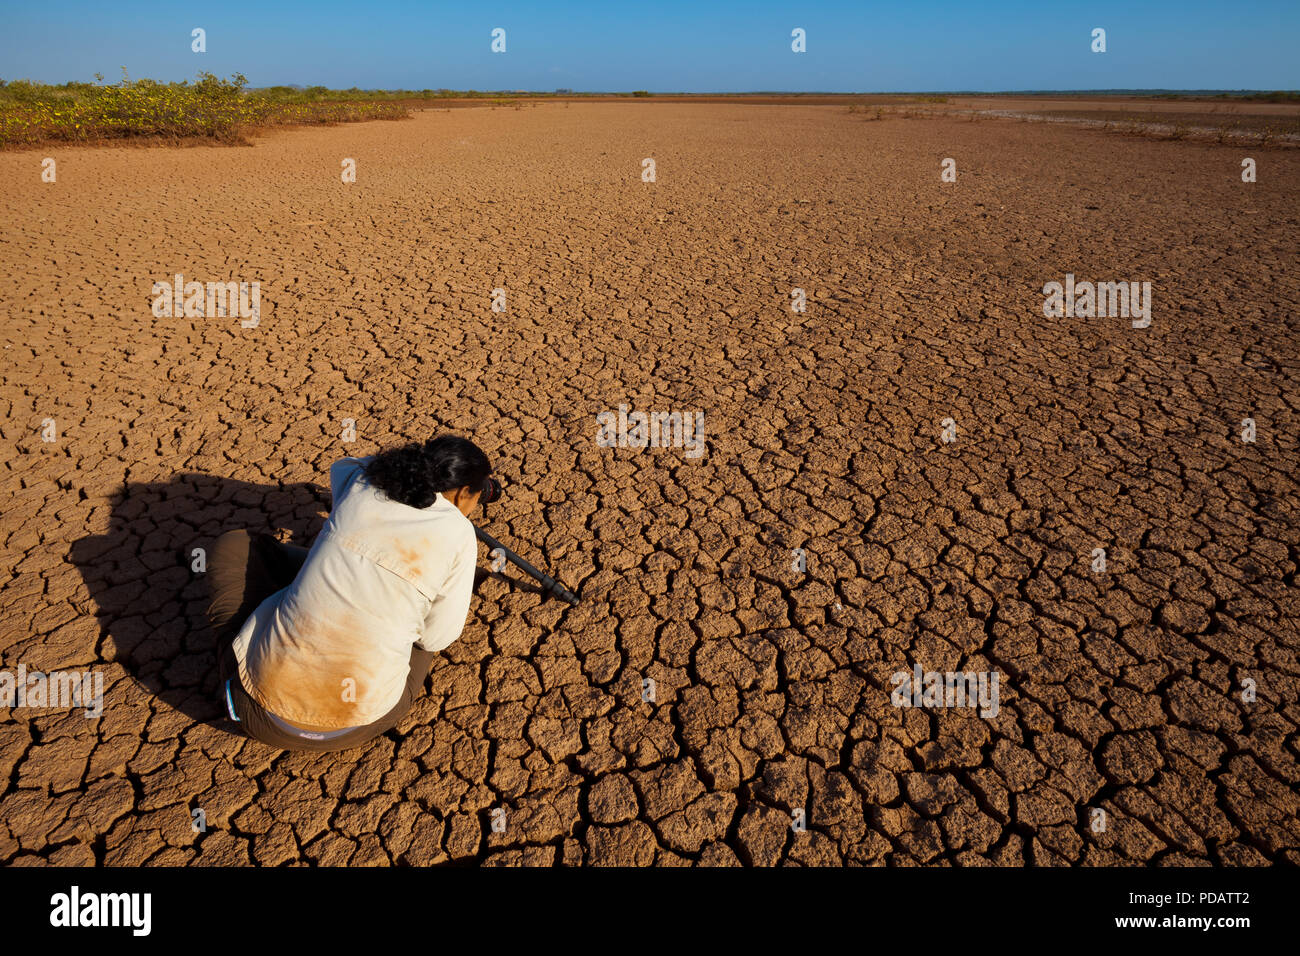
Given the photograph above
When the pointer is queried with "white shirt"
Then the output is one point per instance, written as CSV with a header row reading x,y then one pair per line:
x,y
333,649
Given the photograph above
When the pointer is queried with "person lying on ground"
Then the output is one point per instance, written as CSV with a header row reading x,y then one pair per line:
x,y
327,648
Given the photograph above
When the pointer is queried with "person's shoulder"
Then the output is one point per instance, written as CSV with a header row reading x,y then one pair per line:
x,y
452,526
345,471
465,535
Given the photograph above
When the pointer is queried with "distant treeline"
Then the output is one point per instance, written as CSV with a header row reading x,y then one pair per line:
x,y
1275,96
224,110
310,94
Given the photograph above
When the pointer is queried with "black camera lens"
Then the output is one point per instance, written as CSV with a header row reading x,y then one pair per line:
x,y
491,490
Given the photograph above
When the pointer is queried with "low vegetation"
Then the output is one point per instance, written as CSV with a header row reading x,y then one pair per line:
x,y
211,108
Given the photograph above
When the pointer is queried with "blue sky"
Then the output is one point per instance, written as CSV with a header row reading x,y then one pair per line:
x,y
664,45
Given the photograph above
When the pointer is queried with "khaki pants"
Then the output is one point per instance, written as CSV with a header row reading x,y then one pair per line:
x,y
244,570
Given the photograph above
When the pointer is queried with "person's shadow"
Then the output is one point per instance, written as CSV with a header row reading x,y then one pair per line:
x,y
147,575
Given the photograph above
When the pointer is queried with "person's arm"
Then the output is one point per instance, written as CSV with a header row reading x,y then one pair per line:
x,y
447,614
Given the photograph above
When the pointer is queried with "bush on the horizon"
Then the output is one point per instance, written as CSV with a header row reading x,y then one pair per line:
x,y
221,110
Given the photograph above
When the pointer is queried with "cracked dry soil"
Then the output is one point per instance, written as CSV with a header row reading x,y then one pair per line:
x,y
1120,691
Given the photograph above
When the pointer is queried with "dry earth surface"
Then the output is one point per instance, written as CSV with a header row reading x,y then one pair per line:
x,y
1120,691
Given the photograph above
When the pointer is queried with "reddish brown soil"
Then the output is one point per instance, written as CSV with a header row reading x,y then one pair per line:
x,y
1120,691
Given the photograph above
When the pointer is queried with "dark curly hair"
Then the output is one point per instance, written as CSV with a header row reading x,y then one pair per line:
x,y
414,474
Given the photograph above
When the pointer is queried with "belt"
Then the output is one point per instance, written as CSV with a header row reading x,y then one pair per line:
x,y
288,727
309,734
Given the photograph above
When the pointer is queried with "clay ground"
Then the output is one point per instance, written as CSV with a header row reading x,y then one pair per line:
x,y
1120,691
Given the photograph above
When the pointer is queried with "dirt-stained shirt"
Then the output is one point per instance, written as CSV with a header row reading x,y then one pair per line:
x,y
333,649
